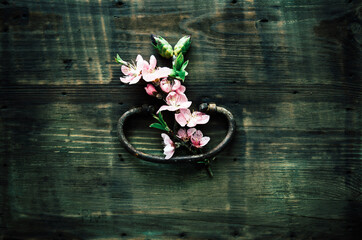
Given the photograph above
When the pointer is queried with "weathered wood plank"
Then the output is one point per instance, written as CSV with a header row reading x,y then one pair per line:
x,y
288,70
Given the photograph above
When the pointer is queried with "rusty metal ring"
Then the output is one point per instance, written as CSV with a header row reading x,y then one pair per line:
x,y
191,158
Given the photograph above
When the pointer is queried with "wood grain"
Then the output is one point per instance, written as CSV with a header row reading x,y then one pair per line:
x,y
290,71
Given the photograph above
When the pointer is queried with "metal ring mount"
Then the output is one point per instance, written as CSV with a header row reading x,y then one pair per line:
x,y
190,158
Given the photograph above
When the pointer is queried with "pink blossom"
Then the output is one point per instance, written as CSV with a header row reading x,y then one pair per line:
x,y
151,73
185,117
133,72
182,134
167,86
175,101
169,149
151,90
197,138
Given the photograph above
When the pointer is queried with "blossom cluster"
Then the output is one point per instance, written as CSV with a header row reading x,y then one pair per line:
x,y
165,83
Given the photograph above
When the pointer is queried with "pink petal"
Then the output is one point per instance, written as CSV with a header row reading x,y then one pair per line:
x,y
176,85
185,104
198,134
195,142
204,141
182,133
186,112
165,71
147,76
165,85
181,98
181,89
192,122
204,119
201,118
177,101
153,62
125,70
160,73
173,108
170,97
191,131
180,118
140,63
135,79
163,108
166,138
198,118
166,107
145,67
169,146
139,58
127,79
168,151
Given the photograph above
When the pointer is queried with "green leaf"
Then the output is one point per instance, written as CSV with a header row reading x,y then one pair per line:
x,y
179,61
120,60
155,117
158,126
161,119
184,65
173,73
178,74
163,122
181,75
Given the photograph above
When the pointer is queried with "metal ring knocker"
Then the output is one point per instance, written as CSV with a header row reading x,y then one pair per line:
x,y
190,158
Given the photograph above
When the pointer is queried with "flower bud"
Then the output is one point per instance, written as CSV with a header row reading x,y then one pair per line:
x,y
162,46
151,90
182,45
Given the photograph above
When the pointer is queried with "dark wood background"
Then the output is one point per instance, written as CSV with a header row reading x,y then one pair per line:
x,y
289,70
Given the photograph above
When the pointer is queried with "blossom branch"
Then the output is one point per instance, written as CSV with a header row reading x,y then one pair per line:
x,y
164,83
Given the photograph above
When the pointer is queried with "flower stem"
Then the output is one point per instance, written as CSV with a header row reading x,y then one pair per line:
x,y
209,171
